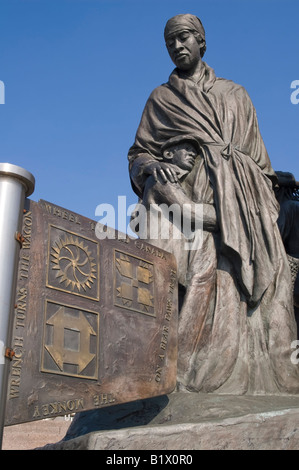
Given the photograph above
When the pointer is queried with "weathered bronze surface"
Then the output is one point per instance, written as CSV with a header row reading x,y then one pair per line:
x,y
95,320
287,193
236,321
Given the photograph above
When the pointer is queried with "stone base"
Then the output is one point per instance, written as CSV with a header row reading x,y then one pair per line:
x,y
188,421
27,436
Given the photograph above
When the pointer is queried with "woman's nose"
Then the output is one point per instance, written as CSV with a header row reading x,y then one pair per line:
x,y
177,45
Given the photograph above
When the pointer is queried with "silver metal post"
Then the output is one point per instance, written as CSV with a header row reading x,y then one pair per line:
x,y
15,184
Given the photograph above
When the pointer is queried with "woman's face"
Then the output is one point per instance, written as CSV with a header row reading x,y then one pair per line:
x,y
183,48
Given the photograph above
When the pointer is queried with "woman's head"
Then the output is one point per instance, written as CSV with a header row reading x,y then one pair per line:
x,y
176,34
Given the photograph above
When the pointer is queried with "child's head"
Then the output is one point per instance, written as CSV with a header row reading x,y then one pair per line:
x,y
181,151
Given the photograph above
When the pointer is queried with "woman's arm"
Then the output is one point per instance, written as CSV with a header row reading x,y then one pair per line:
x,y
157,192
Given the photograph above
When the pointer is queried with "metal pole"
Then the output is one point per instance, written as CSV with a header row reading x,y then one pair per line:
x,y
15,184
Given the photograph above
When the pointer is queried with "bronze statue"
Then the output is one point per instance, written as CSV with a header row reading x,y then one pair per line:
x,y
236,320
287,193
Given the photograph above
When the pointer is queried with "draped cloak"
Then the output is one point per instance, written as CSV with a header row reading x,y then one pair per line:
x,y
236,324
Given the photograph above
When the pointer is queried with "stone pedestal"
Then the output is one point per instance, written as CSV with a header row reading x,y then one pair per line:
x,y
188,421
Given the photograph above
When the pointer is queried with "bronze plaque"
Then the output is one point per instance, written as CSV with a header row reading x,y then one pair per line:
x,y
95,320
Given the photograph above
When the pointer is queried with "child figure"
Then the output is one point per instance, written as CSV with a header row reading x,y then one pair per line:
x,y
182,152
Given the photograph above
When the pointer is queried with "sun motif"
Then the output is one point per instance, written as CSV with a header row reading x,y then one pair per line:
x,y
74,262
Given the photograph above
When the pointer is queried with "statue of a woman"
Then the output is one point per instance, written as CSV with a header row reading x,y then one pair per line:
x,y
236,323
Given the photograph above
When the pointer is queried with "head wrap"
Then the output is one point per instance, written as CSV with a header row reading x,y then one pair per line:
x,y
186,21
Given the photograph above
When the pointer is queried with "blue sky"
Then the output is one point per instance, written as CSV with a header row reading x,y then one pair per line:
x,y
77,74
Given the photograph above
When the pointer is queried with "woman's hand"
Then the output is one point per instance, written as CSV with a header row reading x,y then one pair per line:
x,y
162,170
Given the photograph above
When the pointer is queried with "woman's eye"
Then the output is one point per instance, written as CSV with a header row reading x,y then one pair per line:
x,y
184,36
